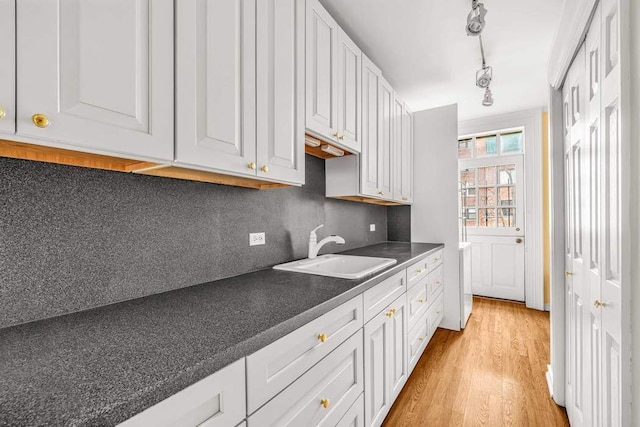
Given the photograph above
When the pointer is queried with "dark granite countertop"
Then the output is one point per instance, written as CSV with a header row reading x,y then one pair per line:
x,y
102,366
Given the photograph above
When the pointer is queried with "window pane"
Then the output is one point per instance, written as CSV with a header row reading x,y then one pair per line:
x,y
507,175
487,197
465,149
506,217
486,146
487,217
468,177
507,196
470,216
511,143
487,176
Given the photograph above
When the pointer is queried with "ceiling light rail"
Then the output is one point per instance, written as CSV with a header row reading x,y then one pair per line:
x,y
475,25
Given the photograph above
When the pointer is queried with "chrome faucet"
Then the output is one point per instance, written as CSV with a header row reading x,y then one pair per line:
x,y
314,245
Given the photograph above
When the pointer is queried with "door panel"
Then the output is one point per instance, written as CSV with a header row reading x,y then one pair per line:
x,y
406,163
369,163
497,263
7,66
280,122
398,342
321,70
376,360
100,89
385,123
216,84
349,87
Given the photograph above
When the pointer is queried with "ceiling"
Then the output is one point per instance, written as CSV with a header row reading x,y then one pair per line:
x,y
424,52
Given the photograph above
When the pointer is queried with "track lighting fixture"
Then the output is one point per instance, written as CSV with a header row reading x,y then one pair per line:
x,y
487,101
475,19
484,76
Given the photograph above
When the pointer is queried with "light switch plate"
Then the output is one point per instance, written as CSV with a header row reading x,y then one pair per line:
x,y
256,239
372,227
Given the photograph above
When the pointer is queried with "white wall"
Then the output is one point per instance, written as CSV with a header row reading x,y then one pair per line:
x,y
434,214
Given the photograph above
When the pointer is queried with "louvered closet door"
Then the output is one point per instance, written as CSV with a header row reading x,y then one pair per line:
x,y
576,159
101,71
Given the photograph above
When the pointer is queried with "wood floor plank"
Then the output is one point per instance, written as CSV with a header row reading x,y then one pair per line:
x,y
491,374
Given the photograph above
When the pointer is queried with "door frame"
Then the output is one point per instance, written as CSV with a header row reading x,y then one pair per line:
x,y
531,121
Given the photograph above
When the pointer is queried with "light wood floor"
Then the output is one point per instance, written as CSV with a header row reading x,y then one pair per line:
x,y
491,374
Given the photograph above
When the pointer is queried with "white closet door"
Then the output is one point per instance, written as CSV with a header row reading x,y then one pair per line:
x,y
611,296
216,93
280,90
101,71
7,67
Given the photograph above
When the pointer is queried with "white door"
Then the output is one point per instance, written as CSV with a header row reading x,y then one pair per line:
x,y
100,74
321,71
349,87
493,209
280,90
376,378
216,90
7,66
215,78
369,163
385,139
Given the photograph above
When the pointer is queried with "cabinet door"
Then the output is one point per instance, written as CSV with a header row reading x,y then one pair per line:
x,y
280,86
376,369
406,157
321,71
398,108
7,66
215,66
369,162
385,124
398,356
349,87
101,72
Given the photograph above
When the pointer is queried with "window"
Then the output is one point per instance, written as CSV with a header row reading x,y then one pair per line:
x,y
500,143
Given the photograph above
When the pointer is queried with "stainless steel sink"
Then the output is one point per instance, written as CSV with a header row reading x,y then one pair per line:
x,y
342,266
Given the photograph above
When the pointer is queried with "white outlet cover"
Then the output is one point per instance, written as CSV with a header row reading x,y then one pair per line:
x,y
372,227
256,239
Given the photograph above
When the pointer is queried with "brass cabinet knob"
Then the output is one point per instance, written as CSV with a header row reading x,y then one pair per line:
x,y
322,337
518,240
405,198
40,120
2,113
419,271
336,134
325,403
265,168
381,193
568,273
341,137
420,339
389,313
437,282
598,304
251,165
420,300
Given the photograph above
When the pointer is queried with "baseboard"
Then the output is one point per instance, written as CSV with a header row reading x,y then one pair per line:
x,y
547,307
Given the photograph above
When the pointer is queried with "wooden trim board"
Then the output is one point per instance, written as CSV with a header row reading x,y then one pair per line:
x,y
211,177
369,200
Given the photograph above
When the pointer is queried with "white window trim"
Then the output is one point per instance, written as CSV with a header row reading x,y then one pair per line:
x,y
531,121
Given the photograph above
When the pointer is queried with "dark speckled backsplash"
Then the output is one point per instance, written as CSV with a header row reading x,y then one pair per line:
x,y
74,238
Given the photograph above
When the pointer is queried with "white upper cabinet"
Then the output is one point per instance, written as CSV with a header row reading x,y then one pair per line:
x,y
216,84
349,98
369,161
240,88
280,90
403,153
97,75
385,139
321,72
7,67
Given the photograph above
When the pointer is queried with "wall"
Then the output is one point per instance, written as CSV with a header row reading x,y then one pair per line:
x,y
399,223
74,238
434,214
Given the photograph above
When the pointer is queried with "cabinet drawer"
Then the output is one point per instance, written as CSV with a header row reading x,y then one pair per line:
x,y
418,338
354,416
274,367
435,282
383,294
436,313
417,303
434,260
216,401
335,382
416,272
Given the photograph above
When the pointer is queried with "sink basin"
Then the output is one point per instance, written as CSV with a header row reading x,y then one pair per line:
x,y
342,266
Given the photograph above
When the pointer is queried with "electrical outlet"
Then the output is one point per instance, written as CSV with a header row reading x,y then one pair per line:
x,y
372,227
256,239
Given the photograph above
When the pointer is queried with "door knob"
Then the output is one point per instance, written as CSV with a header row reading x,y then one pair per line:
x,y
568,273
2,113
40,120
518,240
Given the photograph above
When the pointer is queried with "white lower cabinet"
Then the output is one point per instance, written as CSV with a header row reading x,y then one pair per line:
x,y
216,401
354,416
417,303
321,396
381,295
417,340
385,364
